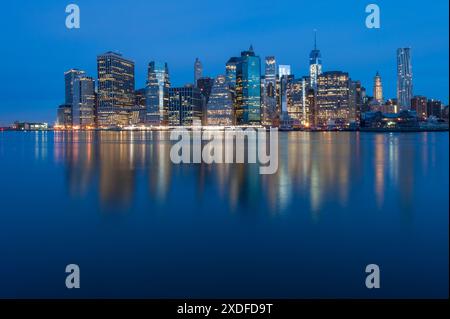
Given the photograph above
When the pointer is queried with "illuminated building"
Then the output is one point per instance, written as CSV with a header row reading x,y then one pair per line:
x,y
248,89
419,105
269,92
205,85
185,106
434,108
404,78
83,105
220,104
377,89
231,71
157,94
315,64
115,89
333,98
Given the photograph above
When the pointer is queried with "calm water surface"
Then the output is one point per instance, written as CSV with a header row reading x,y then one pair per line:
x,y
140,226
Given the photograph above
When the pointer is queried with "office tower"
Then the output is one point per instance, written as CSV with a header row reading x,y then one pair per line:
x,y
298,103
140,102
434,108
355,100
404,78
315,64
83,105
205,85
220,104
231,71
284,70
419,104
269,92
198,71
69,77
377,89
248,89
64,115
333,98
157,94
185,106
115,89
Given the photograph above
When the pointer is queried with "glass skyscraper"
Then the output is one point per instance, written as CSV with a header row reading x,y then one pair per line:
x,y
404,78
248,89
157,93
198,71
220,104
315,64
69,77
115,89
269,96
83,104
185,106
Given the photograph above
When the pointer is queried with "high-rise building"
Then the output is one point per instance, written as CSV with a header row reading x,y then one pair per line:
x,y
69,77
231,71
377,89
419,105
248,89
115,89
269,92
404,78
315,64
64,115
185,106
434,108
83,105
205,85
333,98
284,70
198,71
220,104
157,93
284,75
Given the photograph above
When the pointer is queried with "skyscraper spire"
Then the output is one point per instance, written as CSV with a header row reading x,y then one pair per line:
x,y
251,48
315,39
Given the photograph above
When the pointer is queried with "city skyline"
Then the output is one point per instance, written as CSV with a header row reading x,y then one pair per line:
x,y
75,48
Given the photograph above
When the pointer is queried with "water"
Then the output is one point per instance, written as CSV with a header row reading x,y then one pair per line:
x,y
139,226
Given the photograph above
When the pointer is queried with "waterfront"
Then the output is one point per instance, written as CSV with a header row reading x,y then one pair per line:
x,y
140,226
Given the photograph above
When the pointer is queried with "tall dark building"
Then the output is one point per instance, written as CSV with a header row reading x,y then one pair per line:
x,y
269,92
157,94
198,71
419,104
185,106
64,115
205,85
115,89
434,108
69,77
83,105
248,89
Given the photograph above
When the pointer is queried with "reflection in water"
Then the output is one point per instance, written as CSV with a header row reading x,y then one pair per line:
x,y
315,169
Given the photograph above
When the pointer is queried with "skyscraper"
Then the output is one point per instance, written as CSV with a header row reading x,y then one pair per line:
x,y
115,89
284,74
404,78
269,96
83,104
185,106
377,89
220,104
157,93
69,77
315,64
231,71
248,88
198,71
333,98
419,105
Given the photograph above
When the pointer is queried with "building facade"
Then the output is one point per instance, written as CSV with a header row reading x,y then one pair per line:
x,y
220,104
404,78
157,94
185,106
115,89
269,92
198,71
83,105
248,89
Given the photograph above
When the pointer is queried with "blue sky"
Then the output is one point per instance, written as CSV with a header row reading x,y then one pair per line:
x,y
37,47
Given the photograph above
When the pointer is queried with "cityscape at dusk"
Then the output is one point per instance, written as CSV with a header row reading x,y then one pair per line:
x,y
220,158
